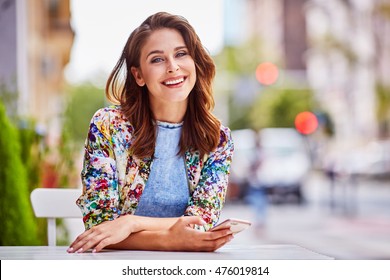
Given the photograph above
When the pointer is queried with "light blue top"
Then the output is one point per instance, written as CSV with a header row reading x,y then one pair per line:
x,y
166,192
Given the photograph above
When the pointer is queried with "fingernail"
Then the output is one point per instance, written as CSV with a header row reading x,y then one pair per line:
x,y
79,250
94,251
70,250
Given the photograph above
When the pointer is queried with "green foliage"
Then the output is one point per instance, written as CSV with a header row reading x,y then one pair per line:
x,y
17,221
83,102
279,107
235,63
239,116
31,154
243,59
383,109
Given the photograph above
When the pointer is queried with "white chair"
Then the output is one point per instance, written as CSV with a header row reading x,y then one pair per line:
x,y
55,203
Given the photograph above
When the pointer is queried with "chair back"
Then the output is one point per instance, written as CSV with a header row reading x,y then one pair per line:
x,y
55,203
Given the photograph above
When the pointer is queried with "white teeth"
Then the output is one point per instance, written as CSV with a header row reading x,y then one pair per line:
x,y
173,82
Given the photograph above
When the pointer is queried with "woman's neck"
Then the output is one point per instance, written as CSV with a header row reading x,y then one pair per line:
x,y
171,114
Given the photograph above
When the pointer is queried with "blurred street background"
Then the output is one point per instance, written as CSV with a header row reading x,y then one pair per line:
x,y
304,85
355,226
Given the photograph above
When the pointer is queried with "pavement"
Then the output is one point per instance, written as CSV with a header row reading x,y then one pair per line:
x,y
352,222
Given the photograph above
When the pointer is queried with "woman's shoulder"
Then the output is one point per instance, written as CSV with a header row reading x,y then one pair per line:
x,y
112,113
111,116
225,134
225,139
109,111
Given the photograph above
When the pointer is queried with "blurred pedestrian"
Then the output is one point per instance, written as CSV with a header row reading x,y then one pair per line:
x,y
156,166
257,196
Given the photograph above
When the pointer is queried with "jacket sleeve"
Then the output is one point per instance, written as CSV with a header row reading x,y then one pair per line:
x,y
209,196
100,198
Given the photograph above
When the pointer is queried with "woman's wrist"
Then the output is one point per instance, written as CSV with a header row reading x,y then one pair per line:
x,y
133,222
165,240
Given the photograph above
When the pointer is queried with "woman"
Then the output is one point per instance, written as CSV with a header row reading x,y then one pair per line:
x,y
156,165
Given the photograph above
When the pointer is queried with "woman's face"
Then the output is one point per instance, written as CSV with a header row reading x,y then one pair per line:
x,y
166,68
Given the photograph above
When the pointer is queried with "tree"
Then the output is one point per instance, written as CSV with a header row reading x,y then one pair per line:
x,y
83,101
236,67
17,220
278,107
383,109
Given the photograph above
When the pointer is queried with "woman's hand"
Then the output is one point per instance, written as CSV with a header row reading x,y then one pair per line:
x,y
182,237
104,234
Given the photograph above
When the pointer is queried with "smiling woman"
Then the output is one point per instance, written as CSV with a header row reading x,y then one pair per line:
x,y
156,166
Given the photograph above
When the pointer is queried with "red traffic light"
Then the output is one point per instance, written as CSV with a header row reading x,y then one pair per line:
x,y
306,122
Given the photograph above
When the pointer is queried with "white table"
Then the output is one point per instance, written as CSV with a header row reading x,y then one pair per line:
x,y
228,252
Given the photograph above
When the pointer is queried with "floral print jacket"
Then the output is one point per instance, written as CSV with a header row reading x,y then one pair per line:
x,y
114,180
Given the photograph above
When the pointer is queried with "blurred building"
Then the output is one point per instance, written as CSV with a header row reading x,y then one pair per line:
x,y
280,24
36,40
349,56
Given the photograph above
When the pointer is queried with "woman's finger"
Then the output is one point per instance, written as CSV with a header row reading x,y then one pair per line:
x,y
222,241
83,242
190,220
79,238
102,244
213,235
92,242
212,245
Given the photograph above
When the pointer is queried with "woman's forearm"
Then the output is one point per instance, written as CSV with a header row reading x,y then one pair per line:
x,y
149,233
179,237
142,233
142,223
144,240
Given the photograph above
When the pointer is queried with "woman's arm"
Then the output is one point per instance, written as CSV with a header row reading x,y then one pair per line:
x,y
111,232
209,194
179,237
144,233
99,176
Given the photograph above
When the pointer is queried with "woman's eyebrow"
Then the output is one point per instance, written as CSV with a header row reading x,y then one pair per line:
x,y
161,51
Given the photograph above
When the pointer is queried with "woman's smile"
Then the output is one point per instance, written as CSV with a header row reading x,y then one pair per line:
x,y
174,82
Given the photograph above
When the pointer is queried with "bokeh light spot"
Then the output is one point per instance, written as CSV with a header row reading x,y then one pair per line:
x,y
306,122
267,73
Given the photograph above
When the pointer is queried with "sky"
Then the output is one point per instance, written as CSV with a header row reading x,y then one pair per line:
x,y
102,27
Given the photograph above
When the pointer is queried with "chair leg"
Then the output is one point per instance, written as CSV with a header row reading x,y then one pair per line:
x,y
51,231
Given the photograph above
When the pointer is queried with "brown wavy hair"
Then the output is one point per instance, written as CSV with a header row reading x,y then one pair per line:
x,y
201,129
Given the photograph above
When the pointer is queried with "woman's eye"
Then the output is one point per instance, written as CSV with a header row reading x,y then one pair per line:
x,y
156,60
180,54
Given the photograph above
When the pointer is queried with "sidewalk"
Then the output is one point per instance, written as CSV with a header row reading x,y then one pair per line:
x,y
362,232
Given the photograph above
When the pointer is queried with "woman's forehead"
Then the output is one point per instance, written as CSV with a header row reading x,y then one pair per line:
x,y
163,40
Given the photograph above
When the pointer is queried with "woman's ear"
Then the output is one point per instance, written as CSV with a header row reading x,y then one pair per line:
x,y
137,76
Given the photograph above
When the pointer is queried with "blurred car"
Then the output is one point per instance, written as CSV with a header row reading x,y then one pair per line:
x,y
244,155
285,163
369,160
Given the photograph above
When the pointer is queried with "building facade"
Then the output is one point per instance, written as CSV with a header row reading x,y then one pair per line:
x,y
36,41
349,55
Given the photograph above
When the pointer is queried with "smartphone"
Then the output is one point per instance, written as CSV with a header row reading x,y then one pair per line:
x,y
236,225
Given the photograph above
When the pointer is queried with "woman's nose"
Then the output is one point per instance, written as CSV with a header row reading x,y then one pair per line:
x,y
172,67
